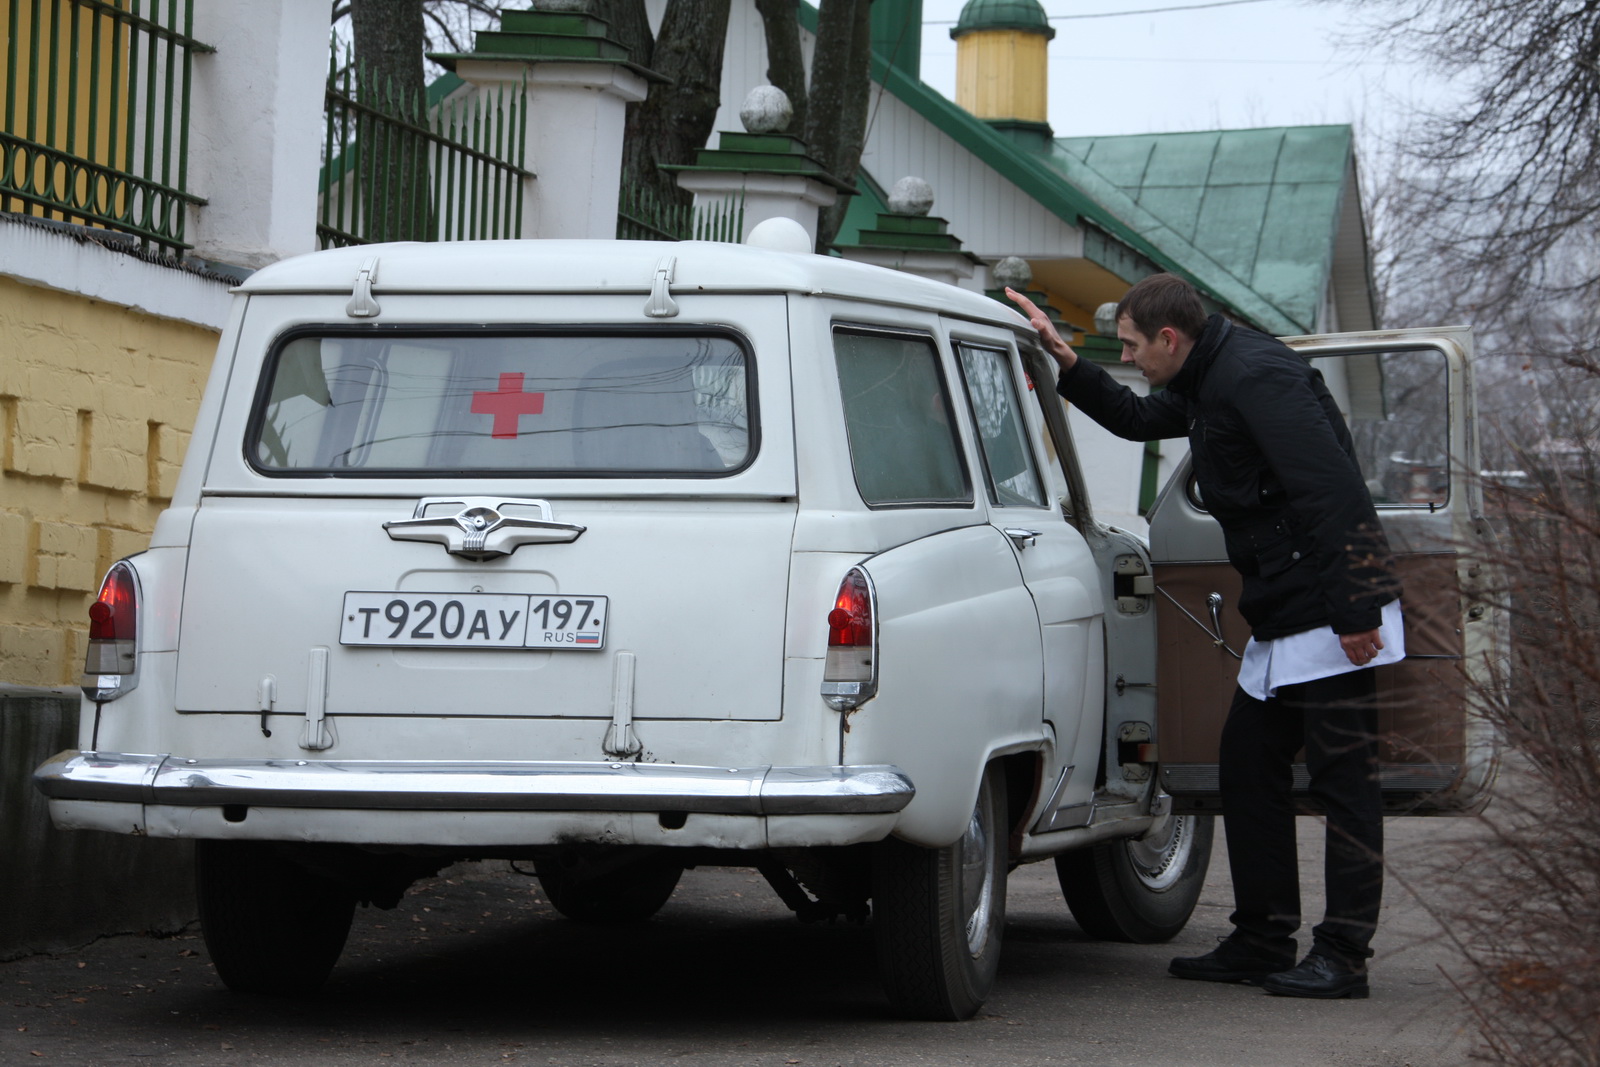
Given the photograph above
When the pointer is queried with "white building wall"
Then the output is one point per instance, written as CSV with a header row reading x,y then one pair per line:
x,y
1114,468
991,216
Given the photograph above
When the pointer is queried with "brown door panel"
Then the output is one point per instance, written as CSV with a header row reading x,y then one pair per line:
x,y
1421,718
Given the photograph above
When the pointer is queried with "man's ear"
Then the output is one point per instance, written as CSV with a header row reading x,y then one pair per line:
x,y
1168,334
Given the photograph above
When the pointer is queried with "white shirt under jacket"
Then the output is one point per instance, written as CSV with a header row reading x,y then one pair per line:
x,y
1306,657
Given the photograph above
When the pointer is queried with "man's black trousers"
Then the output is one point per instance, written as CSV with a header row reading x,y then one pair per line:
x,y
1336,719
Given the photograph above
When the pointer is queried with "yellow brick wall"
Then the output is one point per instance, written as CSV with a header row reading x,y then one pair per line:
x,y
96,404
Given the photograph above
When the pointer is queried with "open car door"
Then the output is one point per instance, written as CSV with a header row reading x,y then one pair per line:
x,y
1408,397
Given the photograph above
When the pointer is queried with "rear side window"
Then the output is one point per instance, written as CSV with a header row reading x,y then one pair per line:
x,y
580,405
1013,479
903,443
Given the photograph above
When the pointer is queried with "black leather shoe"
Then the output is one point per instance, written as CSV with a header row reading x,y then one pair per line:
x,y
1231,961
1321,977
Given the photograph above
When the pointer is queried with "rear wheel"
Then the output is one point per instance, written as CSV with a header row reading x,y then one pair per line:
x,y
605,890
938,914
270,925
1140,889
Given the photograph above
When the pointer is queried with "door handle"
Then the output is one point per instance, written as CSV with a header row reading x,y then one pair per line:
x,y
1022,538
1214,608
481,531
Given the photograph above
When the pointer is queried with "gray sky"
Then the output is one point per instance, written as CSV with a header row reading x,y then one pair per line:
x,y
1257,63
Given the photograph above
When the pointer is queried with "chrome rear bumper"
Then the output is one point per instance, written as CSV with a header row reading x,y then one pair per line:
x,y
427,785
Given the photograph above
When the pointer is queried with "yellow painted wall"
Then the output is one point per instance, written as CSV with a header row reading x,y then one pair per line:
x,y
89,115
96,404
1003,74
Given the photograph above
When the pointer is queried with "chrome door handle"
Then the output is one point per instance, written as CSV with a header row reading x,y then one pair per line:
x,y
1022,538
1214,608
481,532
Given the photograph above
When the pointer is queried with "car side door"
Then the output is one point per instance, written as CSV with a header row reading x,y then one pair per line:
x,y
1408,398
1056,562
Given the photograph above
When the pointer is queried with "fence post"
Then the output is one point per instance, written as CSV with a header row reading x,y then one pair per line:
x,y
256,128
579,84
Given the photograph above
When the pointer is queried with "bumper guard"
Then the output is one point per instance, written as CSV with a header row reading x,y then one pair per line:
x,y
427,785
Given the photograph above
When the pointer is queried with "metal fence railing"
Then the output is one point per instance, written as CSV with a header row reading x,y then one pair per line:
x,y
97,114
395,169
641,216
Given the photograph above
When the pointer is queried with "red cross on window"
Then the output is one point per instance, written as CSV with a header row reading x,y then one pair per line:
x,y
507,404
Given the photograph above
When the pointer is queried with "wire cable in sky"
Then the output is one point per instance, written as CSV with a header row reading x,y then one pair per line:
x,y
1119,14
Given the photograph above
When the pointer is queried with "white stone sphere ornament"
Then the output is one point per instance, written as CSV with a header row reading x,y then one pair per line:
x,y
911,196
780,234
1105,319
766,110
1012,272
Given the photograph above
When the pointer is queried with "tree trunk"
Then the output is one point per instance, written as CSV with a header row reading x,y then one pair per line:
x,y
837,111
786,67
389,41
675,121
629,26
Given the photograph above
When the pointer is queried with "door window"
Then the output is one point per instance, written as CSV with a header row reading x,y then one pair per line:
x,y
903,444
1011,474
1398,404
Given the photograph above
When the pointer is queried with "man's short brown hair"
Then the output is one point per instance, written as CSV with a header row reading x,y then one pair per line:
x,y
1164,300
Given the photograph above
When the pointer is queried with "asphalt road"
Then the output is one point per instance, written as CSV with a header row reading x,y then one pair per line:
x,y
474,968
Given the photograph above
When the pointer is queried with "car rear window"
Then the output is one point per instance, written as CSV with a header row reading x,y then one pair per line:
x,y
558,404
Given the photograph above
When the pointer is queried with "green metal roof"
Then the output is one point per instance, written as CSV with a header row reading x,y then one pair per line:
x,y
1080,195
1025,15
1263,204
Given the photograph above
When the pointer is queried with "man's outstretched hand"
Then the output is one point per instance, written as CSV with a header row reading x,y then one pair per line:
x,y
1048,337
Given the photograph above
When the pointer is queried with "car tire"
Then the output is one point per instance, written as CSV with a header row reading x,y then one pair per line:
x,y
608,897
938,914
270,925
1140,890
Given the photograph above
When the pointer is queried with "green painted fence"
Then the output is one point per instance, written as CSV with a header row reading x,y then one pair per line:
x,y
97,114
395,169
642,216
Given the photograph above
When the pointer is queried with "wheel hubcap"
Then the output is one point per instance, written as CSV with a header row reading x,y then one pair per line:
x,y
977,881
1159,857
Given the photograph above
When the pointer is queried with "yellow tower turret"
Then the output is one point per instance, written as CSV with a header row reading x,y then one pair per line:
x,y
1002,69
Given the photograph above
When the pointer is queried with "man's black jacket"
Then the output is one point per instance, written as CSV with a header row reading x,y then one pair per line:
x,y
1276,468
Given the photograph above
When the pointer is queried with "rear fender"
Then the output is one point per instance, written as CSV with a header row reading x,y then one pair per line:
x,y
960,674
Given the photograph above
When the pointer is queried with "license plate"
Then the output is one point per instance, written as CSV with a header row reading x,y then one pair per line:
x,y
473,620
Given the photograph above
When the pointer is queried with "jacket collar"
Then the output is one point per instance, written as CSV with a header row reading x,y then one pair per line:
x,y
1193,372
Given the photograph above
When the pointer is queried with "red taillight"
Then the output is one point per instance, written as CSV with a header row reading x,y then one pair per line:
x,y
115,615
111,661
850,621
850,675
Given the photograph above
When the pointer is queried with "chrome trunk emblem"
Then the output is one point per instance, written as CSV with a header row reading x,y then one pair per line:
x,y
484,528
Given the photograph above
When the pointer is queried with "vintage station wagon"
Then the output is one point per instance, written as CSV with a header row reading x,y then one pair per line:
x,y
621,557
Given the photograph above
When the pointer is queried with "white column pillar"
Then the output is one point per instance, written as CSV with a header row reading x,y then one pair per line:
x,y
255,128
576,113
766,195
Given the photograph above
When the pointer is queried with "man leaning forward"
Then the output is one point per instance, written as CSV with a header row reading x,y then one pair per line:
x,y
1276,467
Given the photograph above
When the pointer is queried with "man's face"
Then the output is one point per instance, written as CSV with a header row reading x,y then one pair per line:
x,y
1158,358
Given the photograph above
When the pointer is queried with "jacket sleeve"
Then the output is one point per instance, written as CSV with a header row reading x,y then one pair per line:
x,y
1305,449
1121,410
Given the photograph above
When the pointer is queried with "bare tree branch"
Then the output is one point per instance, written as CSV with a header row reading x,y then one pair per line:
x,y
1504,194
